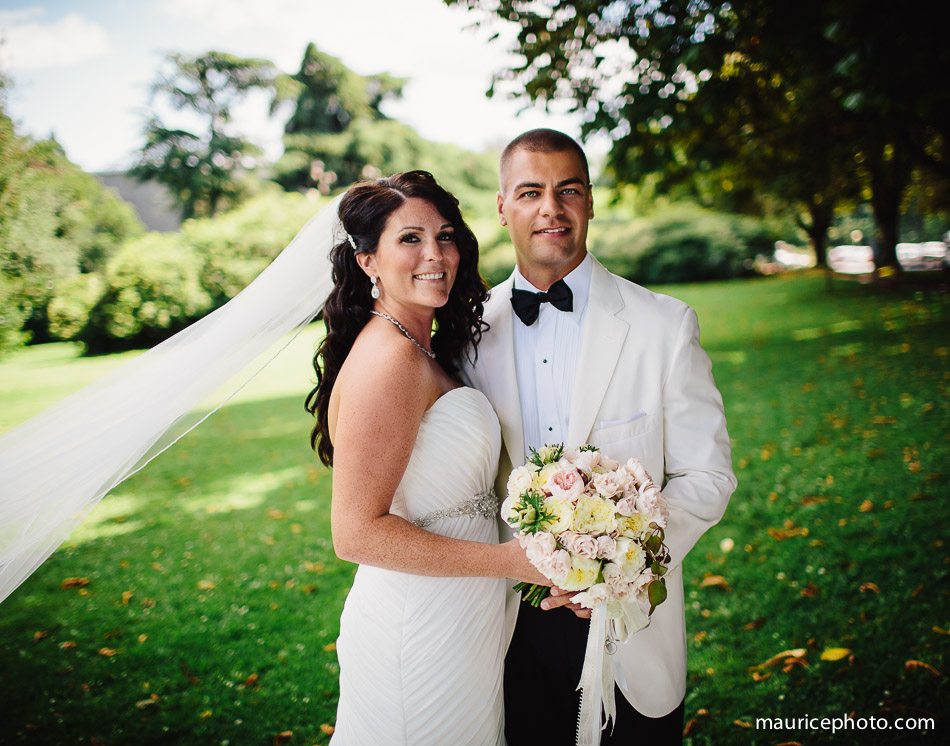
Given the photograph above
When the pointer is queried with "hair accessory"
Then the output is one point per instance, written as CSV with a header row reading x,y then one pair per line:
x,y
352,242
375,291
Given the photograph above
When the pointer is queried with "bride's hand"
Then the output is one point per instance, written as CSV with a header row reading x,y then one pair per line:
x,y
519,566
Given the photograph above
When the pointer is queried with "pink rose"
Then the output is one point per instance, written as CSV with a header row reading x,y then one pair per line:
x,y
596,594
584,545
559,563
539,547
652,504
585,461
636,469
607,484
606,547
627,506
566,483
616,582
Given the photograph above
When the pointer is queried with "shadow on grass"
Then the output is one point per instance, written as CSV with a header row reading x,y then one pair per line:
x,y
212,602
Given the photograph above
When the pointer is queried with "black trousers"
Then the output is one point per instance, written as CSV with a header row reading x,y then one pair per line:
x,y
542,669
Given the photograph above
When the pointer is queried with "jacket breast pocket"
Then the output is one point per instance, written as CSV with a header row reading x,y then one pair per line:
x,y
640,438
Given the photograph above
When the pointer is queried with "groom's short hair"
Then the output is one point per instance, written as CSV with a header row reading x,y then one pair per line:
x,y
541,140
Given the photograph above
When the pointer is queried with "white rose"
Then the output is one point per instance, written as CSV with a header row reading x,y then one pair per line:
x,y
541,479
582,574
508,514
520,481
633,526
593,515
563,513
630,557
547,453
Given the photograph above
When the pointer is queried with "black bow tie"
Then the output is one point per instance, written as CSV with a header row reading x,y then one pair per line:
x,y
527,304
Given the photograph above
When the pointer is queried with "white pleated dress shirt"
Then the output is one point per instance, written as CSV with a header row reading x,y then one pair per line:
x,y
546,356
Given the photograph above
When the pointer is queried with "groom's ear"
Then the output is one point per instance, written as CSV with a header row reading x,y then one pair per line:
x,y
501,209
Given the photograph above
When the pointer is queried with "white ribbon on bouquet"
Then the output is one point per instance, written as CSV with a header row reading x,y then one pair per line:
x,y
597,676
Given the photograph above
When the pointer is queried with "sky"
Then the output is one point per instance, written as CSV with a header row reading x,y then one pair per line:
x,y
81,70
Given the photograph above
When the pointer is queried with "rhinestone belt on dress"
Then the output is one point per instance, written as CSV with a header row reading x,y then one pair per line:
x,y
484,504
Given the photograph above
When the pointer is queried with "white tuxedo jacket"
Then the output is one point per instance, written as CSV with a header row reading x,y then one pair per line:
x,y
644,388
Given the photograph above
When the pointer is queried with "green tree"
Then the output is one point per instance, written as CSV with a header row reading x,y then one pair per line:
x,y
810,101
56,223
321,147
203,168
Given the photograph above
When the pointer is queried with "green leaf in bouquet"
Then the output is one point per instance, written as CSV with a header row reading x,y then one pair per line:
x,y
530,513
657,593
653,544
657,569
547,454
588,447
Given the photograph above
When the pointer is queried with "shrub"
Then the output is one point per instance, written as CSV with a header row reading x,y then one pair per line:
x,y
683,243
152,291
236,246
73,300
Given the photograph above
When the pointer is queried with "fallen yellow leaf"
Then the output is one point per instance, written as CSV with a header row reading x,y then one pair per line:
x,y
795,653
920,664
834,654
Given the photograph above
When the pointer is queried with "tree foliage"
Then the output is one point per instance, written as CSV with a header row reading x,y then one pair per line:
x,y
815,102
334,110
56,223
202,168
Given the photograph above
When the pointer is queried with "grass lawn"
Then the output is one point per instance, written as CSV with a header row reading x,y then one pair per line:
x,y
200,602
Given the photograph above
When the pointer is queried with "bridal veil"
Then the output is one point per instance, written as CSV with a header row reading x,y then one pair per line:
x,y
55,467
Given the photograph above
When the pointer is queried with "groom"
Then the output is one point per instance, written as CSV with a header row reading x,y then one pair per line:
x,y
577,355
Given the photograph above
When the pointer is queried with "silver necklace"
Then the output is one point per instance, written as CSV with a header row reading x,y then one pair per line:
x,y
403,330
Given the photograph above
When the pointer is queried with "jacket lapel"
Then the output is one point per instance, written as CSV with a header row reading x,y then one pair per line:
x,y
500,374
604,335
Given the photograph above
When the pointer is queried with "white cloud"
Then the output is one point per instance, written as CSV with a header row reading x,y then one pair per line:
x,y
30,44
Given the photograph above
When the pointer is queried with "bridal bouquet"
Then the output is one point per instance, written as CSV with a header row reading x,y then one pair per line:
x,y
590,524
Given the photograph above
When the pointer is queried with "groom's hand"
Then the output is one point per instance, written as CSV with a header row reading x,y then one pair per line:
x,y
560,597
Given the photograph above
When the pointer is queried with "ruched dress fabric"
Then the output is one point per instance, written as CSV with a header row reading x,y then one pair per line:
x,y
421,658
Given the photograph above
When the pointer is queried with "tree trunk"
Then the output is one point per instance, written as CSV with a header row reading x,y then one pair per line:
x,y
890,174
817,230
886,207
821,215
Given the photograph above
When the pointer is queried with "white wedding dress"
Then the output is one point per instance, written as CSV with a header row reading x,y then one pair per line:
x,y
421,657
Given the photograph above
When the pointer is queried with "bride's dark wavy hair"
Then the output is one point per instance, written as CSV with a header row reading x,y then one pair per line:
x,y
364,210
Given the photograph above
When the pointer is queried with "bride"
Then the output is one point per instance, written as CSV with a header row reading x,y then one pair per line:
x,y
414,453
414,456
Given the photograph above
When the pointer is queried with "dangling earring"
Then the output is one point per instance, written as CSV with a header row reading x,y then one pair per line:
x,y
375,290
